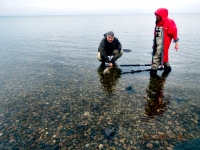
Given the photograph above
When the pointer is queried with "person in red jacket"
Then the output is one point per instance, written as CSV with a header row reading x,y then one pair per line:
x,y
165,31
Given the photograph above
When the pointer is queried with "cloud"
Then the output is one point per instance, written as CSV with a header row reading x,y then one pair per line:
x,y
68,7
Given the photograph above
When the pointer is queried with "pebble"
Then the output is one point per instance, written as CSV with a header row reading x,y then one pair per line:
x,y
87,145
54,141
129,88
121,140
85,114
100,146
150,146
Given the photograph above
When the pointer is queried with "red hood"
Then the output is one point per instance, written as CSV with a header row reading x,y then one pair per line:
x,y
162,12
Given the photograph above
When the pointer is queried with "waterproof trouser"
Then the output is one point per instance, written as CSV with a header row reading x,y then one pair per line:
x,y
156,61
157,58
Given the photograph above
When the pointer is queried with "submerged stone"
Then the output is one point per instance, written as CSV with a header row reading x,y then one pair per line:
x,y
129,88
190,145
109,133
70,132
95,106
2,127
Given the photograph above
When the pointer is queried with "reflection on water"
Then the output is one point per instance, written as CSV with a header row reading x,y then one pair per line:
x,y
110,79
156,101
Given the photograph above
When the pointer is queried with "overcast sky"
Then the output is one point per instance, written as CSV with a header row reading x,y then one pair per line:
x,y
79,7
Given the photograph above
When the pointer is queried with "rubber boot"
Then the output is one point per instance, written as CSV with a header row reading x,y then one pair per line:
x,y
153,72
167,70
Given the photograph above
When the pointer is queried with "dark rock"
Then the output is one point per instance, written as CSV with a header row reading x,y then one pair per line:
x,y
68,143
42,145
109,133
95,106
190,145
67,121
15,148
126,50
70,132
93,132
129,88
57,147
79,126
2,127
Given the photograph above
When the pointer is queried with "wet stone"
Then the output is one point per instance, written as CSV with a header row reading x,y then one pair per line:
x,y
129,88
75,141
2,127
42,145
100,146
87,145
191,127
149,145
57,147
68,143
193,144
156,144
199,122
93,132
79,127
109,133
70,132
126,50
95,107
15,148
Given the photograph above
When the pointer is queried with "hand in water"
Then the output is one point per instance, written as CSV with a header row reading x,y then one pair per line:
x,y
111,64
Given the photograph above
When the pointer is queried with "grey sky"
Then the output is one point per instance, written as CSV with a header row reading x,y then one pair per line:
x,y
78,7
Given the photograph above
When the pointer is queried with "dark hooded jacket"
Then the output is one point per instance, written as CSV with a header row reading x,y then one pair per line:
x,y
106,49
170,30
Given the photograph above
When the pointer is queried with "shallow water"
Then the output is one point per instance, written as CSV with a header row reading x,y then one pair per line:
x,y
53,94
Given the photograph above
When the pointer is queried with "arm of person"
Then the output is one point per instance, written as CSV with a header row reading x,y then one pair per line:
x,y
176,46
172,31
119,46
103,53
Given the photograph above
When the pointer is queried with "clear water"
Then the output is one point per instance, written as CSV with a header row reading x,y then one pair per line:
x,y
50,80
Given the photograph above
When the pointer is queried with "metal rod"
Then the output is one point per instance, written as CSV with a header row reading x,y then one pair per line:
x,y
135,65
137,71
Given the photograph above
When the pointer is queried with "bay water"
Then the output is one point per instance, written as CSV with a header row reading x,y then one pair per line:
x,y
53,93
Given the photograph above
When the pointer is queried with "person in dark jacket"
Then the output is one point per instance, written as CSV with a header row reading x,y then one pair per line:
x,y
165,31
109,46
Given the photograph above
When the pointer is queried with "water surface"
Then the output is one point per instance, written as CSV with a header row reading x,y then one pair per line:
x,y
53,94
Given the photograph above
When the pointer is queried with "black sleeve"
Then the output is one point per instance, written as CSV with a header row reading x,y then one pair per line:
x,y
119,45
102,51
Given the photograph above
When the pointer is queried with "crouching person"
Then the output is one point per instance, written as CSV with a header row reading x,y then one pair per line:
x,y
109,46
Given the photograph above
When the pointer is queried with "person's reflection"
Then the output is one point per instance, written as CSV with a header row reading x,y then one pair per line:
x,y
109,78
156,101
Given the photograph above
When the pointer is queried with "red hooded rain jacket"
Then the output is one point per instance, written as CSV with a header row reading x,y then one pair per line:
x,y
170,30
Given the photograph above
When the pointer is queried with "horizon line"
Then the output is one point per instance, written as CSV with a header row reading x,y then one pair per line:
x,y
85,14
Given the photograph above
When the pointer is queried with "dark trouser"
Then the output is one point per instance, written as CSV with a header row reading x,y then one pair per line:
x,y
115,53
